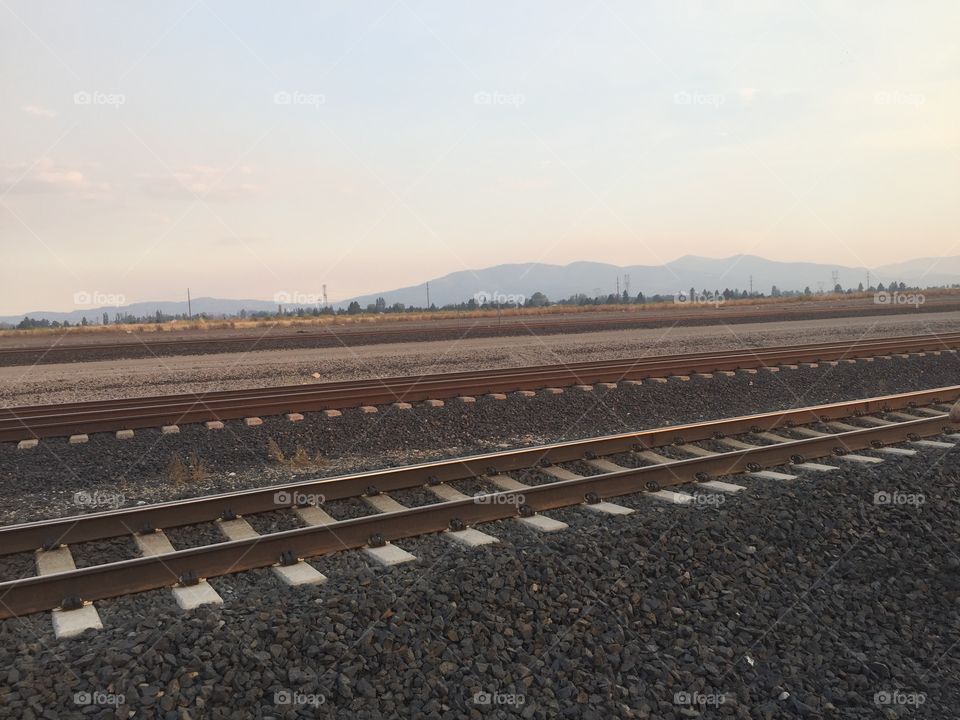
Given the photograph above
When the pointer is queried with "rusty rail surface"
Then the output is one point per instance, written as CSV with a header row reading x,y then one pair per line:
x,y
20,423
24,596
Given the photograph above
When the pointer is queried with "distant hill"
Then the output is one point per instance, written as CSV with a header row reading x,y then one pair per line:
x,y
213,307
558,282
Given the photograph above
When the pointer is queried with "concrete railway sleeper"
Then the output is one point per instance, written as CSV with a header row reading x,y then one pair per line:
x,y
913,419
30,423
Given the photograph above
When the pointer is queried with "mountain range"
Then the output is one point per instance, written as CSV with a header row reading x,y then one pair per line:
x,y
590,278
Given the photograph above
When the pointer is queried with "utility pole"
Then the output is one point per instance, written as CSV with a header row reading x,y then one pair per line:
x,y
325,295
428,296
618,287
189,306
751,286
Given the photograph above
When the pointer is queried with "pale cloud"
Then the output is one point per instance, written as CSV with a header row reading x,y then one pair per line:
x,y
203,182
38,111
47,177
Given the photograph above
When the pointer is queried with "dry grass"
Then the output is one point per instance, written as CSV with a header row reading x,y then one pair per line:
x,y
179,473
275,453
200,325
301,458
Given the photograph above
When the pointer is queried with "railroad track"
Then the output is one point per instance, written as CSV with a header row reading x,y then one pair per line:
x,y
344,335
525,484
30,423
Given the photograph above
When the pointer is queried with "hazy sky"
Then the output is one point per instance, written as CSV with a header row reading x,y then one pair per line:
x,y
245,149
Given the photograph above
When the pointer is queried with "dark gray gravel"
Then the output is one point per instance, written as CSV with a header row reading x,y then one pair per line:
x,y
104,551
273,522
415,497
20,565
808,599
191,536
473,486
45,482
349,509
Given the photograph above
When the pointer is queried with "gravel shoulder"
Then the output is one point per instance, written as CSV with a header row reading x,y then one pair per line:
x,y
71,382
805,599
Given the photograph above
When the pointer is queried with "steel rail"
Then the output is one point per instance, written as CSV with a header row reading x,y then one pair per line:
x,y
125,521
21,423
892,344
28,595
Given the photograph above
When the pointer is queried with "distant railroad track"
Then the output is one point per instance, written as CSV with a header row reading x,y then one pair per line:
x,y
147,345
529,481
43,421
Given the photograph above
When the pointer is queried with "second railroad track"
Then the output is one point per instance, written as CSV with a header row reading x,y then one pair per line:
x,y
30,423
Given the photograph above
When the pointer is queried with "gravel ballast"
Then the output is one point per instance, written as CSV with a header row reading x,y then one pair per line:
x,y
71,382
832,596
59,479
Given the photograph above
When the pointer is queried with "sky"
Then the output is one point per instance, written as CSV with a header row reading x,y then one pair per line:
x,y
246,149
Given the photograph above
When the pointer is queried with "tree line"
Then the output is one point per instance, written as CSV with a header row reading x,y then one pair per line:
x,y
536,300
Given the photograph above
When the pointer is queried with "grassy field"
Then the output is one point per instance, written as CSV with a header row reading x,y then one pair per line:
x,y
364,318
